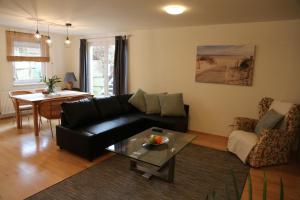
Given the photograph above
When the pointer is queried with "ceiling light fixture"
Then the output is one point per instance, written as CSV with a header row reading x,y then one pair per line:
x,y
49,41
37,34
174,9
68,41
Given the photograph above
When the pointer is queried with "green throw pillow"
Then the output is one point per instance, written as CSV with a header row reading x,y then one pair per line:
x,y
152,103
172,105
138,100
268,121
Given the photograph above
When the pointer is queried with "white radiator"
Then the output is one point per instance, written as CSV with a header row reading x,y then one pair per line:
x,y
6,106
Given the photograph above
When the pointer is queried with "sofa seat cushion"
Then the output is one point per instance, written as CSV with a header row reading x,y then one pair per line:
x,y
241,143
110,124
172,123
114,130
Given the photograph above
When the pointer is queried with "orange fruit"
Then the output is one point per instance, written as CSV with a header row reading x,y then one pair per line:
x,y
158,139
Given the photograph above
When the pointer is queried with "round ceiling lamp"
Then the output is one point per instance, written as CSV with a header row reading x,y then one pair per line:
x,y
174,9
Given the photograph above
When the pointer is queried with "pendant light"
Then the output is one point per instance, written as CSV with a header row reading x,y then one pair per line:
x,y
49,41
37,34
68,41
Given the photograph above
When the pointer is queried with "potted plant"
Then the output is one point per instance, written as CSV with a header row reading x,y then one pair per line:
x,y
51,83
212,195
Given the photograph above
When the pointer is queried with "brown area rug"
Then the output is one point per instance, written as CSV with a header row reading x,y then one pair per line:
x,y
198,171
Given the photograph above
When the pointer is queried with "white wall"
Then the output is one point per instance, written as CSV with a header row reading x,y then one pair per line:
x,y
58,65
73,57
164,60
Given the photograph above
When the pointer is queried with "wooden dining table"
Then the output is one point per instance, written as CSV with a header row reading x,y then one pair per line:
x,y
36,98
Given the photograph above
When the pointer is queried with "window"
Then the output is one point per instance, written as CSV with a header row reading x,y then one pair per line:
x,y
26,72
28,57
101,65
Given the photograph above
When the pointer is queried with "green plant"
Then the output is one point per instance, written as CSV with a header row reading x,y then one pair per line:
x,y
51,82
212,196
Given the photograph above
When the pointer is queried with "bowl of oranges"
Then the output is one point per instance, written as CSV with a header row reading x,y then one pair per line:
x,y
157,140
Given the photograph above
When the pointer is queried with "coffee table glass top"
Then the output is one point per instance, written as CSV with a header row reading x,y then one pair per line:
x,y
154,155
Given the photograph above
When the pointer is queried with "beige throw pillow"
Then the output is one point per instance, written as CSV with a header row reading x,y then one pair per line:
x,y
172,105
152,103
138,100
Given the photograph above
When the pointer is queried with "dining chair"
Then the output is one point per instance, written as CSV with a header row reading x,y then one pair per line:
x,y
39,90
23,106
50,110
77,98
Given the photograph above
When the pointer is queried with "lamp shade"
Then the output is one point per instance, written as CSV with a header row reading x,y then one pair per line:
x,y
70,77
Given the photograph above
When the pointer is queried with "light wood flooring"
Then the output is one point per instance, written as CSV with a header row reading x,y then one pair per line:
x,y
29,164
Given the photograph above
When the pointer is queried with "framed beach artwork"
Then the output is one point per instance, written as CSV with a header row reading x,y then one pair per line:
x,y
225,64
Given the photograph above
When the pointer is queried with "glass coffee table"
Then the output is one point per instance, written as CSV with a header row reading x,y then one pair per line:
x,y
153,160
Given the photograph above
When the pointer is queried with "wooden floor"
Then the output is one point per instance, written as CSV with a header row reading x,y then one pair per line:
x,y
29,164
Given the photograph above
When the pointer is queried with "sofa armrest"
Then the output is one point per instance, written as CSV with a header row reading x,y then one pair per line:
x,y
63,119
187,109
273,147
245,124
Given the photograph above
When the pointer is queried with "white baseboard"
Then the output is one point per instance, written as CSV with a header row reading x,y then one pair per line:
x,y
7,115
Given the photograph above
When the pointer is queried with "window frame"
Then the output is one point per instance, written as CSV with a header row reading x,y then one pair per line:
x,y
103,42
23,47
30,81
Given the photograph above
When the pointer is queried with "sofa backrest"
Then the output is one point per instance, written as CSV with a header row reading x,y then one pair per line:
x,y
126,107
78,113
108,107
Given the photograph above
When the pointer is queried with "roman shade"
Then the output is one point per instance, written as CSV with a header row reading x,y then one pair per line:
x,y
17,40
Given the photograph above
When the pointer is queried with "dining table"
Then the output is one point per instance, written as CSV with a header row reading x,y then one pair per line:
x,y
36,98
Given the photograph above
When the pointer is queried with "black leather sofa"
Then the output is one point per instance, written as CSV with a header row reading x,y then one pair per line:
x,y
89,126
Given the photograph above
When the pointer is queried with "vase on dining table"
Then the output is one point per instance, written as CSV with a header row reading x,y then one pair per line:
x,y
51,83
51,89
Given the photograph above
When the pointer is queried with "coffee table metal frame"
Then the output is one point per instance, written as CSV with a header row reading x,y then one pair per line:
x,y
163,169
165,172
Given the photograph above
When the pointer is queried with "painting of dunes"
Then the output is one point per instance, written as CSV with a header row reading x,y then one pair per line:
x,y
225,64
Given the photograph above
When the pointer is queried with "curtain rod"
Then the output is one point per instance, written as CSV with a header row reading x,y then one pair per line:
x,y
102,37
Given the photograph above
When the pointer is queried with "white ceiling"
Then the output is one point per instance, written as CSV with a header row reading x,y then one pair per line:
x,y
91,17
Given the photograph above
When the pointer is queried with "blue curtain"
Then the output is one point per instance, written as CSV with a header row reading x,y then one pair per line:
x,y
83,75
